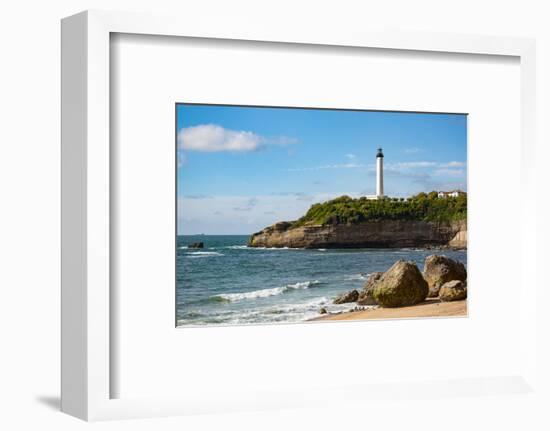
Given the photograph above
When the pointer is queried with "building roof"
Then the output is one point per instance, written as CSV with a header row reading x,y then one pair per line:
x,y
452,191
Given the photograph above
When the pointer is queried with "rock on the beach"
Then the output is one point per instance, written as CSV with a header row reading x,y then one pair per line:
x,y
347,297
365,296
196,245
323,310
453,291
401,285
438,270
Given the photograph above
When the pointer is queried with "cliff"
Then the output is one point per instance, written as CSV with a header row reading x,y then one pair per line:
x,y
366,234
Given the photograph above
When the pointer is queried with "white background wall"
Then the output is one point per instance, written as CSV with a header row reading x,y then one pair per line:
x,y
29,196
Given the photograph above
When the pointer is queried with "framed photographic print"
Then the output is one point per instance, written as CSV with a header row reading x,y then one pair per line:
x,y
290,215
247,210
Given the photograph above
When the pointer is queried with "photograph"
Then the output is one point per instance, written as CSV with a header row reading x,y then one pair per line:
x,y
295,215
229,204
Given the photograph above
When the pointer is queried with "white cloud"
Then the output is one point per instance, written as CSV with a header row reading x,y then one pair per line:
x,y
405,169
438,166
196,196
212,138
215,138
453,164
304,197
248,205
407,165
395,172
351,156
254,213
301,196
335,166
449,172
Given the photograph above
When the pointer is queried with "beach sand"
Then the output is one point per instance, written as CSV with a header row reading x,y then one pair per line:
x,y
428,308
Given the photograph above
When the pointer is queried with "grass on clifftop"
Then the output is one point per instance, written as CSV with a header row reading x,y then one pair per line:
x,y
425,207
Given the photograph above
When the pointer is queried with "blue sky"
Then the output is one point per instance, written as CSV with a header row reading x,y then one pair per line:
x,y
243,168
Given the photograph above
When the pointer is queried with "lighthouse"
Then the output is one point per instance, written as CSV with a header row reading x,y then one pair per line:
x,y
379,174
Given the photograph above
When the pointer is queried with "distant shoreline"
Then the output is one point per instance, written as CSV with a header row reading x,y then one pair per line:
x,y
434,247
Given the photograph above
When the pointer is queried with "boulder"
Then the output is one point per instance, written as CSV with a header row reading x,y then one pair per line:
x,y
196,245
401,285
365,296
347,297
453,291
438,270
323,310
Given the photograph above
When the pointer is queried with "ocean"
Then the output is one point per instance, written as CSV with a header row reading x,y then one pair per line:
x,y
228,283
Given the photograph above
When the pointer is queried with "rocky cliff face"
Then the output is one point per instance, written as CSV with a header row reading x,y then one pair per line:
x,y
373,234
460,240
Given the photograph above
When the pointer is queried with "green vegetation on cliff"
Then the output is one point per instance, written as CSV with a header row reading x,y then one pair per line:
x,y
425,207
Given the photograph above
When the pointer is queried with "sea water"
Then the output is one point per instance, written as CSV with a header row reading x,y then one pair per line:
x,y
228,283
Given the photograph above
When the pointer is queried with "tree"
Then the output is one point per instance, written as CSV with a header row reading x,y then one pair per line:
x,y
346,210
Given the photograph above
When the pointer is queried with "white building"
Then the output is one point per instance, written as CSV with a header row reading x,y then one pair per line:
x,y
451,194
379,176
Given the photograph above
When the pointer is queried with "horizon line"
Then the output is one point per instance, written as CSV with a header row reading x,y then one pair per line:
x,y
218,234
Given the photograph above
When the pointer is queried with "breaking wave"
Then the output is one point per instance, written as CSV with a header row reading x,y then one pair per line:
x,y
361,276
264,293
196,254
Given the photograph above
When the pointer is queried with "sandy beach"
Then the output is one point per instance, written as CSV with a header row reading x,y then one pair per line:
x,y
428,308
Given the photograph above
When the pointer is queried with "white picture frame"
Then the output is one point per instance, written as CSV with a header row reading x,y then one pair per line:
x,y
87,343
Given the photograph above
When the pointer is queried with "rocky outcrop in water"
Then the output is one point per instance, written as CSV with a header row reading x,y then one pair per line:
x,y
347,297
196,245
371,234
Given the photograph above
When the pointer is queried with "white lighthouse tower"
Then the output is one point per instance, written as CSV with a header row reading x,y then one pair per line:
x,y
379,174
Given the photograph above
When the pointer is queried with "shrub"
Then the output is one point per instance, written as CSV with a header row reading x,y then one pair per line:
x,y
425,207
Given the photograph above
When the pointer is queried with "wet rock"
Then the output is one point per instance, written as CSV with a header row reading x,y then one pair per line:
x,y
323,310
196,245
347,297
